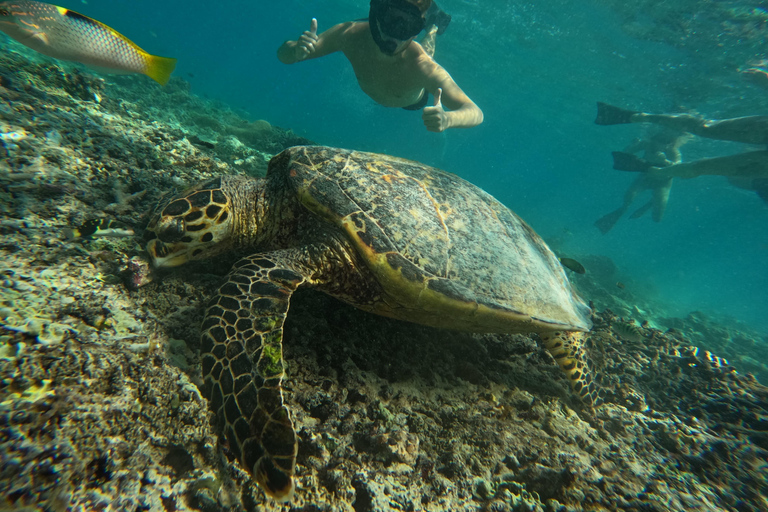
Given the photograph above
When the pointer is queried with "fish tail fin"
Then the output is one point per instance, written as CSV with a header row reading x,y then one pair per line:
x,y
628,162
159,69
608,114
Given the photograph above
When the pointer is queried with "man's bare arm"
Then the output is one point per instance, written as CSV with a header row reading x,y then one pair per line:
x,y
462,113
310,45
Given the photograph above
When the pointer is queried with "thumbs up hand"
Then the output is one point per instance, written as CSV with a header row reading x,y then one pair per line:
x,y
434,117
307,41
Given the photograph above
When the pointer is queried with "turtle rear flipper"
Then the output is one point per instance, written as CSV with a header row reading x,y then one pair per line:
x,y
243,368
608,114
570,353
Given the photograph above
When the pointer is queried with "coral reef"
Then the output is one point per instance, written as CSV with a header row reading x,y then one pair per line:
x,y
608,288
99,406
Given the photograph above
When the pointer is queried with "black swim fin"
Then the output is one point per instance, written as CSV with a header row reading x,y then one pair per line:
x,y
629,162
641,211
608,114
606,222
437,17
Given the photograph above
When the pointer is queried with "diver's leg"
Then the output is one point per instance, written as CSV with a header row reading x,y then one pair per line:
x,y
748,130
606,222
752,164
680,122
641,211
660,198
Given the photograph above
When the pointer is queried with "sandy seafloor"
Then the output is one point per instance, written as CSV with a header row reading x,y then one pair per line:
x,y
99,405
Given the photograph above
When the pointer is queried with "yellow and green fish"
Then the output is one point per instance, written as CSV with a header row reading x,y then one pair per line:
x,y
68,35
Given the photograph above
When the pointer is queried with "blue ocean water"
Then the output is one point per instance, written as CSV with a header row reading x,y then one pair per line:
x,y
536,70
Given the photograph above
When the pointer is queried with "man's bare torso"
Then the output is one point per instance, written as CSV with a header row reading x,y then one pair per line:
x,y
396,81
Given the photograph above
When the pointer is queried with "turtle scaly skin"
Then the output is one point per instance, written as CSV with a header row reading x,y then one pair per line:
x,y
243,367
568,350
386,235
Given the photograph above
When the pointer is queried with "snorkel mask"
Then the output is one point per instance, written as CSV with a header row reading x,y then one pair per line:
x,y
393,23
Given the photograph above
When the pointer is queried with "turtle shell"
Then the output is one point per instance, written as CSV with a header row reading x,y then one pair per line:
x,y
445,252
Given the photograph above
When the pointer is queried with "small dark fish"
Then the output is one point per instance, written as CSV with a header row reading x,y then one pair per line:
x,y
620,285
574,265
98,227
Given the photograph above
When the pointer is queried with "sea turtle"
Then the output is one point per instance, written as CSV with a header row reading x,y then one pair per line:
x,y
387,235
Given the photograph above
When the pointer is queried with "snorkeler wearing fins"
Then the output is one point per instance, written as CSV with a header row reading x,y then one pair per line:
x,y
748,130
392,68
67,35
747,171
660,149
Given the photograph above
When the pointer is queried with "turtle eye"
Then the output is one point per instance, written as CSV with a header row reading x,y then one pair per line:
x,y
173,231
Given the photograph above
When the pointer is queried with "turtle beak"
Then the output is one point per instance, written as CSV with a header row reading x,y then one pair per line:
x,y
162,256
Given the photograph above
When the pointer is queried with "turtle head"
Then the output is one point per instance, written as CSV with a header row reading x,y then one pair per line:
x,y
194,225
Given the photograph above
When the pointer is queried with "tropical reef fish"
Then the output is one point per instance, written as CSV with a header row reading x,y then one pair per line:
x,y
574,265
68,35
697,353
98,227
629,331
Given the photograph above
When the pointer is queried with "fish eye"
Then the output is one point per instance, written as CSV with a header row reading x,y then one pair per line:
x,y
173,231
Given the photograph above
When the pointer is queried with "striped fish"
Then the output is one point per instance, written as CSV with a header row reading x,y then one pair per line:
x,y
705,355
68,35
628,330
98,227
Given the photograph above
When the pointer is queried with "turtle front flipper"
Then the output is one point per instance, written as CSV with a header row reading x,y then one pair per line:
x,y
570,353
243,367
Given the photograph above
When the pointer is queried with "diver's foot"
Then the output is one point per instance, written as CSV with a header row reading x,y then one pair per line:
x,y
437,17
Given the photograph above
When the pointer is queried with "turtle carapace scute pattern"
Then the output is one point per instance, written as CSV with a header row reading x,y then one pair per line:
x,y
390,236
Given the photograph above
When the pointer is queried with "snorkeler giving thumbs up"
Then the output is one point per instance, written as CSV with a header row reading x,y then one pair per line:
x,y
434,117
306,46
390,66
